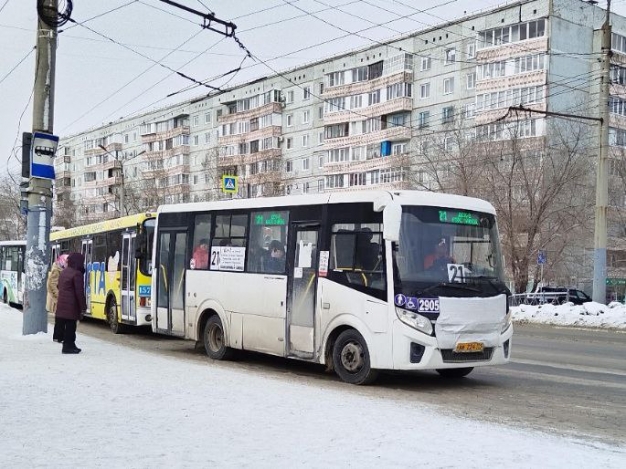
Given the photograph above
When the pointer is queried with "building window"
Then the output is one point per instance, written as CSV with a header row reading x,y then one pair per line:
x,y
425,64
320,185
307,93
449,57
306,164
424,90
447,114
289,120
196,140
448,85
471,80
289,142
424,116
320,112
321,87
207,118
289,96
320,162
320,138
471,50
374,97
207,137
469,110
196,121
305,140
306,116
289,166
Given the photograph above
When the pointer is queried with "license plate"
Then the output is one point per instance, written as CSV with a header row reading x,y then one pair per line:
x,y
469,347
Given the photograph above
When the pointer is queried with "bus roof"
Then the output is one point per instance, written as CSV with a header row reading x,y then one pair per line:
x,y
102,226
13,243
407,197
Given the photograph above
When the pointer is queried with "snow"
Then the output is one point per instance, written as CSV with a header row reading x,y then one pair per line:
x,y
118,407
590,314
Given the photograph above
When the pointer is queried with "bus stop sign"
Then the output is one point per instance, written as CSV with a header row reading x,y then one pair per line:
x,y
541,257
43,148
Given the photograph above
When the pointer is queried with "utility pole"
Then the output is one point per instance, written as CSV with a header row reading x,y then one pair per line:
x,y
602,172
39,190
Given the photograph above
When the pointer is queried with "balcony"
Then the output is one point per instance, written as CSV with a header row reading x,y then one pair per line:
x,y
248,158
165,134
380,109
261,178
112,163
160,154
512,49
264,110
534,78
265,132
396,185
391,133
174,189
385,162
60,175
368,86
492,115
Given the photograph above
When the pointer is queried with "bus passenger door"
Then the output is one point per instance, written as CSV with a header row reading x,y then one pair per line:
x,y
302,291
127,277
86,251
170,272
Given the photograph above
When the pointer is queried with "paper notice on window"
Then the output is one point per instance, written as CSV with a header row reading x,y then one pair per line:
x,y
323,267
305,254
230,258
297,272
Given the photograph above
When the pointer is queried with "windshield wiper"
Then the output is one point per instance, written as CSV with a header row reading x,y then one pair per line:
x,y
494,285
458,286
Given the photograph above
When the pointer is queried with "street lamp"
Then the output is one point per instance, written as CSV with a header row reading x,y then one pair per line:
x,y
122,187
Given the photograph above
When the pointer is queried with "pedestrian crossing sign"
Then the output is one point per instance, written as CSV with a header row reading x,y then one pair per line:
x,y
229,184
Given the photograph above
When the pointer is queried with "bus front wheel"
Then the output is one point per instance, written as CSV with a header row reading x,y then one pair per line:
x,y
112,319
351,358
214,339
454,373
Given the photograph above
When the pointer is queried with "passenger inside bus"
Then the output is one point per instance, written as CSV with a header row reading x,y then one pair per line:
x,y
275,263
440,257
200,255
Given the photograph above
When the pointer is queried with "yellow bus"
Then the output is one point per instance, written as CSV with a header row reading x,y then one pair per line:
x,y
118,267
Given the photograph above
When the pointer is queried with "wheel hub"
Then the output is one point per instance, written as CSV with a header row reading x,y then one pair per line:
x,y
216,338
352,357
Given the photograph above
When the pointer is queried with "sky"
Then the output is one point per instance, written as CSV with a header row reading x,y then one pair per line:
x,y
119,60
154,411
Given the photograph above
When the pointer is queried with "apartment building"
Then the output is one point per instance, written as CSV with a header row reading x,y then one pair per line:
x,y
364,119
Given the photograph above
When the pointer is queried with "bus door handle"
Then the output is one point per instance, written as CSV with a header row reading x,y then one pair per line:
x,y
325,305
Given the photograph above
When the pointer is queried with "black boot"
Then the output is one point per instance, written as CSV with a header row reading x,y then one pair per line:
x,y
72,350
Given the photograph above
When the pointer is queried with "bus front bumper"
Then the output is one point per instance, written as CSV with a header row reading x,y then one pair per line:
x,y
413,350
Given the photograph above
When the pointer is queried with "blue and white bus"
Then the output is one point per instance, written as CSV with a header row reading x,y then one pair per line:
x,y
352,280
12,272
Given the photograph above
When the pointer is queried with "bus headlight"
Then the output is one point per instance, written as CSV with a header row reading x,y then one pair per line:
x,y
414,320
507,322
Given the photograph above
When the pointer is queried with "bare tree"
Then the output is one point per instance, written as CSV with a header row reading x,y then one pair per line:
x,y
12,222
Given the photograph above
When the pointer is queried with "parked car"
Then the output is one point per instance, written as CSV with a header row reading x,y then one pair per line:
x,y
562,295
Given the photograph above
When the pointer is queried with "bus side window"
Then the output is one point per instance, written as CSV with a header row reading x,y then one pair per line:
x,y
268,231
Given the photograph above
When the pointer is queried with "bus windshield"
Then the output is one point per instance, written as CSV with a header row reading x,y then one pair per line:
x,y
448,252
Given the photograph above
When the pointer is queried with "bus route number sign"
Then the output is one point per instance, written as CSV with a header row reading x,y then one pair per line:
x,y
428,305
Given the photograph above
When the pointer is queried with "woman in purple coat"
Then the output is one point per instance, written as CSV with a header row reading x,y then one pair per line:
x,y
72,303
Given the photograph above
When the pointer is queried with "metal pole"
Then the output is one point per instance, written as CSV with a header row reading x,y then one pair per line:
x,y
602,174
40,190
122,189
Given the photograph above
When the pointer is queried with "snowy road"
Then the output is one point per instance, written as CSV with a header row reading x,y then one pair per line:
x,y
563,380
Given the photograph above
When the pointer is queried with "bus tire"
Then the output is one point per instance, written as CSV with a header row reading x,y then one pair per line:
x,y
351,358
114,324
214,339
454,373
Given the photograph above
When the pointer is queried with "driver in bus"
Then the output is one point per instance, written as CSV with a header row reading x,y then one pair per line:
x,y
440,256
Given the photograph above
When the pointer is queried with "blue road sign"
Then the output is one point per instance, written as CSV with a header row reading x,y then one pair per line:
x,y
541,257
229,184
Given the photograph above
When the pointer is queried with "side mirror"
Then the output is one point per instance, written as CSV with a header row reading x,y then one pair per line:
x,y
392,218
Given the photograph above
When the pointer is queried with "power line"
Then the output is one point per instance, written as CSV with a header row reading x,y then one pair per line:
x,y
18,64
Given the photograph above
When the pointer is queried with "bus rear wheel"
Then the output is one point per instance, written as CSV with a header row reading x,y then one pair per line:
x,y
454,373
215,340
351,358
114,324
